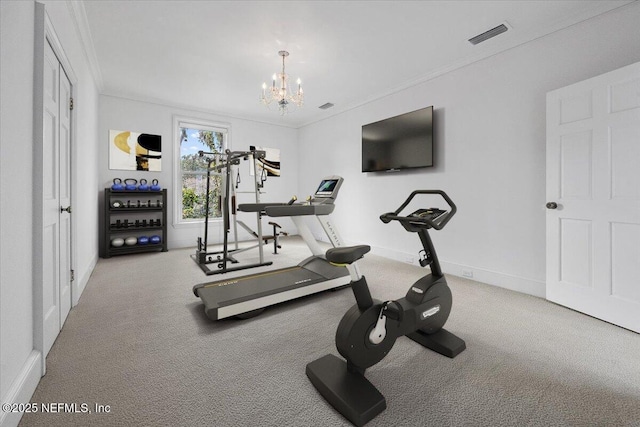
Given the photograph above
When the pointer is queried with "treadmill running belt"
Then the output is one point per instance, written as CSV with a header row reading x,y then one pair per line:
x,y
233,291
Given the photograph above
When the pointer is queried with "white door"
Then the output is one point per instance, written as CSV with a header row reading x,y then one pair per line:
x,y
593,197
65,196
56,182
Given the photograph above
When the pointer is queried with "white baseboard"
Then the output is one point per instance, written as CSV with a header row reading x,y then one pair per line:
x,y
79,285
502,280
182,244
524,285
22,388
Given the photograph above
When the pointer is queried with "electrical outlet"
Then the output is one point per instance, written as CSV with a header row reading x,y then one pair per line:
x,y
408,259
467,273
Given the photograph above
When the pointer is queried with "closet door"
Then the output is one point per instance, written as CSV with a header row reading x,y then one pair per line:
x,y
56,238
65,195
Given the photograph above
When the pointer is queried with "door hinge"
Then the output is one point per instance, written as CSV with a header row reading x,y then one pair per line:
x,y
70,103
73,275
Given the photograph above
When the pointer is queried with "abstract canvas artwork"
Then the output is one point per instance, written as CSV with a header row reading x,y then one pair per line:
x,y
135,151
271,161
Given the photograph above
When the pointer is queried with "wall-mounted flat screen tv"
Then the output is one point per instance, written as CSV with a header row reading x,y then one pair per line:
x,y
400,142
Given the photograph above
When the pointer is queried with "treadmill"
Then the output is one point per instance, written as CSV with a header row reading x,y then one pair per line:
x,y
247,296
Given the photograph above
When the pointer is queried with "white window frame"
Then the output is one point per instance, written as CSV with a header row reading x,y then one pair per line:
x,y
191,123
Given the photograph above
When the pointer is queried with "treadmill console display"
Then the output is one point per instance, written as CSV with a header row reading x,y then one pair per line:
x,y
328,188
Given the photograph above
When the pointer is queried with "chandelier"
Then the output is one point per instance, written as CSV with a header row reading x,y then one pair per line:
x,y
280,92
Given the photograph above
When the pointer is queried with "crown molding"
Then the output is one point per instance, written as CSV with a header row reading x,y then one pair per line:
x,y
184,108
496,47
81,23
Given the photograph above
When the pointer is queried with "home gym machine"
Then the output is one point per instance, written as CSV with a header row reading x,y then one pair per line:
x,y
369,329
221,258
248,296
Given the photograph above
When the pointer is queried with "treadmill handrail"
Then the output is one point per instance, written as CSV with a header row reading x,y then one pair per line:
x,y
299,210
257,207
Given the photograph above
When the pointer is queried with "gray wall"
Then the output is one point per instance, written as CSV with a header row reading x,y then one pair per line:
x,y
16,178
490,132
122,114
490,152
20,365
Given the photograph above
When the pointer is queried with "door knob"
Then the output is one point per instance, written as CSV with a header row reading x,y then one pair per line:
x,y
552,205
67,209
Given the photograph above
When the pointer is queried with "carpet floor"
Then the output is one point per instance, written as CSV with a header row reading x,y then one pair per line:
x,y
139,344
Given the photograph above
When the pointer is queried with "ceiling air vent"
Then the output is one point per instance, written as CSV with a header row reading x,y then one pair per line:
x,y
326,106
488,34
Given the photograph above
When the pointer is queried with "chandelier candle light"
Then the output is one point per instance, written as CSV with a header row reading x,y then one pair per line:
x,y
280,92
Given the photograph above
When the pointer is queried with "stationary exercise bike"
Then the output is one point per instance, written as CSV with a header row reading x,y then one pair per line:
x,y
369,329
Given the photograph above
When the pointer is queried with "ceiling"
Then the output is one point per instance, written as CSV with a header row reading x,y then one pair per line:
x,y
214,55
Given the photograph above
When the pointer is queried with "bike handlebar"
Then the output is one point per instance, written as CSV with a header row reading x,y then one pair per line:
x,y
438,223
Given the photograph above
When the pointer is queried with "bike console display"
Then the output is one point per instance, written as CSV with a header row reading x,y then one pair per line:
x,y
430,214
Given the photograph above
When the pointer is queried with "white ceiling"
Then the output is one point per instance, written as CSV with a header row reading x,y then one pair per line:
x,y
215,55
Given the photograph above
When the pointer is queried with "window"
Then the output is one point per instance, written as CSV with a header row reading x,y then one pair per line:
x,y
192,169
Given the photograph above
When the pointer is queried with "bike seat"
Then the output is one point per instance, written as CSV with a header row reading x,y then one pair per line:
x,y
347,254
